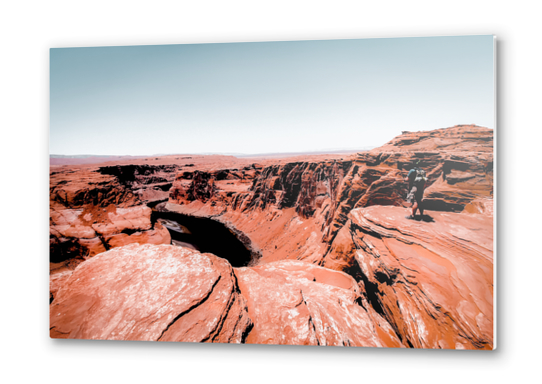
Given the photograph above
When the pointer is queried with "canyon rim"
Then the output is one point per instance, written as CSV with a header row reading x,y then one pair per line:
x,y
244,228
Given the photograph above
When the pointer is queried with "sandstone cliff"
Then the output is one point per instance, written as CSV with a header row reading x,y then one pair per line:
x,y
280,206
432,280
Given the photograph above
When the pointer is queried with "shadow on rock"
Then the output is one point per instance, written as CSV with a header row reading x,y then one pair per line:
x,y
425,218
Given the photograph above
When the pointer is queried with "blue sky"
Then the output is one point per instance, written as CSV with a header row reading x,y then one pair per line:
x,y
265,97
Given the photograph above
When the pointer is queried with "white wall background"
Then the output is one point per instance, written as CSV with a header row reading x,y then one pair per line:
x,y
28,29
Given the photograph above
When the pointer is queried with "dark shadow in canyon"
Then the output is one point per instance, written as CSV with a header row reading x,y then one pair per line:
x,y
64,250
129,174
205,235
373,295
371,289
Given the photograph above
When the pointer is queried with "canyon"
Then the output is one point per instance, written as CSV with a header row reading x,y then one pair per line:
x,y
304,250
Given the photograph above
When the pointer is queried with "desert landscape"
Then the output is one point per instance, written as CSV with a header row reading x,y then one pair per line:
x,y
308,249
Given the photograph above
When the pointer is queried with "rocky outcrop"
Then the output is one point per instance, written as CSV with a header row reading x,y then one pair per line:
x,y
460,138
308,199
432,280
167,293
464,163
77,188
151,292
57,280
298,303
96,209
150,183
81,233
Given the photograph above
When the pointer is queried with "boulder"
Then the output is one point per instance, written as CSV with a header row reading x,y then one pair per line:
x,y
294,302
151,292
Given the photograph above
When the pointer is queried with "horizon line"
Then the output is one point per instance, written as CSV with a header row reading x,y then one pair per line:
x,y
235,154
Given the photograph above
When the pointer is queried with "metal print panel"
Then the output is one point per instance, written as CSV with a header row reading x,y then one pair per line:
x,y
307,193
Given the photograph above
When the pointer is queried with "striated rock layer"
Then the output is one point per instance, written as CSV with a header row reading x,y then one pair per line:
x,y
431,280
94,208
294,210
91,212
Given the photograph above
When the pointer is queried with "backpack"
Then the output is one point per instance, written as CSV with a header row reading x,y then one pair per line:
x,y
420,179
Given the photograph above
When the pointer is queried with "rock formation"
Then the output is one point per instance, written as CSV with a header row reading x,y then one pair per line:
x,y
151,292
94,209
432,280
294,302
333,259
296,201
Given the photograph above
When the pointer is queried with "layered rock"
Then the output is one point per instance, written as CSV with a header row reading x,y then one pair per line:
x,y
463,138
293,302
151,292
367,275
81,187
482,206
95,209
432,280
285,204
85,232
150,183
290,201
465,163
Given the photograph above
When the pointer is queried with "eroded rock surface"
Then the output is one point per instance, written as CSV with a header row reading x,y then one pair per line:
x,y
294,302
151,292
95,209
295,201
464,138
432,280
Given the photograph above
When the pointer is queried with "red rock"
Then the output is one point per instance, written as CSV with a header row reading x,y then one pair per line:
x,y
482,206
321,193
84,187
56,280
92,229
467,138
293,302
280,206
149,182
429,283
158,235
121,219
96,207
150,292
432,280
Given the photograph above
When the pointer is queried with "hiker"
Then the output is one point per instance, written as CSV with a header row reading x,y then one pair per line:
x,y
416,184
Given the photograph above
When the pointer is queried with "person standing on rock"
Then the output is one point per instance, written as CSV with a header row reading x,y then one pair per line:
x,y
416,185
